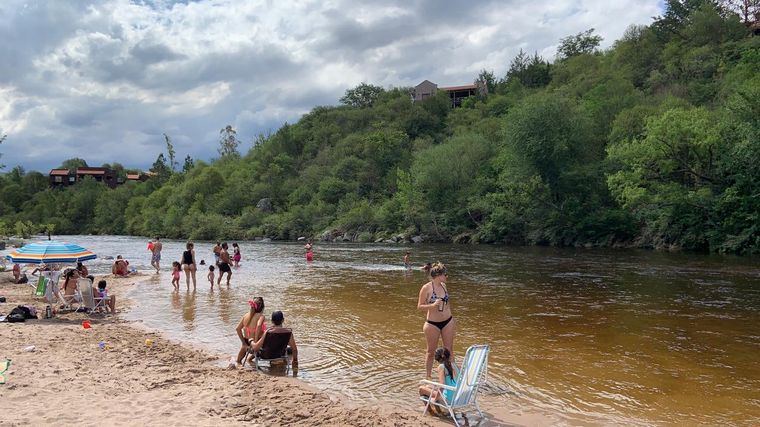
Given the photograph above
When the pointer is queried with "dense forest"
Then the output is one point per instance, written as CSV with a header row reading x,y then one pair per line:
x,y
654,142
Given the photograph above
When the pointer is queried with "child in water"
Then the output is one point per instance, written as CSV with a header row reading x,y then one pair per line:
x,y
236,257
211,275
447,374
407,264
175,274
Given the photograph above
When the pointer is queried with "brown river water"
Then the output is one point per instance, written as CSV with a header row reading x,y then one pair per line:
x,y
593,336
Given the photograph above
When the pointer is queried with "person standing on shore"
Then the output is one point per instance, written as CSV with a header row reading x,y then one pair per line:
x,y
155,259
224,265
439,323
188,264
217,250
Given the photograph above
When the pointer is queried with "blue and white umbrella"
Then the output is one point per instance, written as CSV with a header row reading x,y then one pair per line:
x,y
50,252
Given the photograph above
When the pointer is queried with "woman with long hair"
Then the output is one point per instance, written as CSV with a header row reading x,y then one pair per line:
x,y
439,323
251,326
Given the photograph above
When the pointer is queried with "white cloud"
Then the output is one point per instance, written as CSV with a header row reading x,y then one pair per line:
x,y
104,81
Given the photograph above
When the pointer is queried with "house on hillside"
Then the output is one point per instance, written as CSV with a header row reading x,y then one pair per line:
x,y
61,178
64,177
457,94
138,176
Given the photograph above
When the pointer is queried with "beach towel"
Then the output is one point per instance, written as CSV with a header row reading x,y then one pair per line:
x,y
41,284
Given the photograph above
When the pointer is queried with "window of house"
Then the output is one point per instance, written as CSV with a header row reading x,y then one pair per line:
x,y
71,179
58,179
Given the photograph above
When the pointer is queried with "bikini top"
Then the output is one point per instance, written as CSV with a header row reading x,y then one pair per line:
x,y
434,297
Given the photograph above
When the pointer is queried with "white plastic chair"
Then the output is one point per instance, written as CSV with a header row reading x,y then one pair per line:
x,y
92,304
52,291
70,302
471,376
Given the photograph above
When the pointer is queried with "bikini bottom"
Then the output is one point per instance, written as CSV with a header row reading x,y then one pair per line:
x,y
442,324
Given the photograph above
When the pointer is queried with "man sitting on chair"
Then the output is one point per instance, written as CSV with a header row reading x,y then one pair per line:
x,y
277,319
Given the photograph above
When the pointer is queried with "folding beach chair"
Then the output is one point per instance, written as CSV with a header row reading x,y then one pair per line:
x,y
274,347
50,290
69,302
38,286
92,304
471,376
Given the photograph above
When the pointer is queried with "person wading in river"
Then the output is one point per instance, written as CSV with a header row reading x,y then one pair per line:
x,y
439,323
188,264
224,265
155,259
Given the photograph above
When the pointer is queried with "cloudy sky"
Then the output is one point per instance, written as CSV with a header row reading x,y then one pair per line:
x,y
104,80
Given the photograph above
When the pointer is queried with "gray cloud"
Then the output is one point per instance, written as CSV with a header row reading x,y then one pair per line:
x,y
105,80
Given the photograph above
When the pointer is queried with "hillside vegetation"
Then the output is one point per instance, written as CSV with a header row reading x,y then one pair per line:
x,y
654,142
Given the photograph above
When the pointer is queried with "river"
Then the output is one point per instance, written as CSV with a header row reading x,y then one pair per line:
x,y
598,336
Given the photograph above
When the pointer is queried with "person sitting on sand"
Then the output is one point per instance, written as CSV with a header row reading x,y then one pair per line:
x,y
120,267
447,374
16,273
251,325
277,319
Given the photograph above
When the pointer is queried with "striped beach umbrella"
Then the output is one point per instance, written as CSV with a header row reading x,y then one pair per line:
x,y
50,252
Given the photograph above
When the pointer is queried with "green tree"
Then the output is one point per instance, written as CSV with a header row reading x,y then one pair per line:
x,y
188,165
670,176
746,9
2,139
530,71
585,42
160,167
488,79
73,164
362,96
228,142
171,153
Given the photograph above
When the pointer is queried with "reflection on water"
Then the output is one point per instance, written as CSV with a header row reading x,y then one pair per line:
x,y
628,337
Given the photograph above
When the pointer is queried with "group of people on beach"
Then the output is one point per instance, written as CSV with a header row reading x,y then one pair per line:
x,y
223,262
439,326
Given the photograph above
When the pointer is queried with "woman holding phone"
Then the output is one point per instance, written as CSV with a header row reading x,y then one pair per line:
x,y
439,323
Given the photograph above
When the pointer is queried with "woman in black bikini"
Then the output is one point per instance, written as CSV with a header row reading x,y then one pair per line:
x,y
188,264
434,299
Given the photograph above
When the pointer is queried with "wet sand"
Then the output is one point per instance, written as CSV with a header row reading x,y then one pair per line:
x,y
69,378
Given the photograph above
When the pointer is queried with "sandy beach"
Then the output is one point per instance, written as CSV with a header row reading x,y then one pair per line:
x,y
69,378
